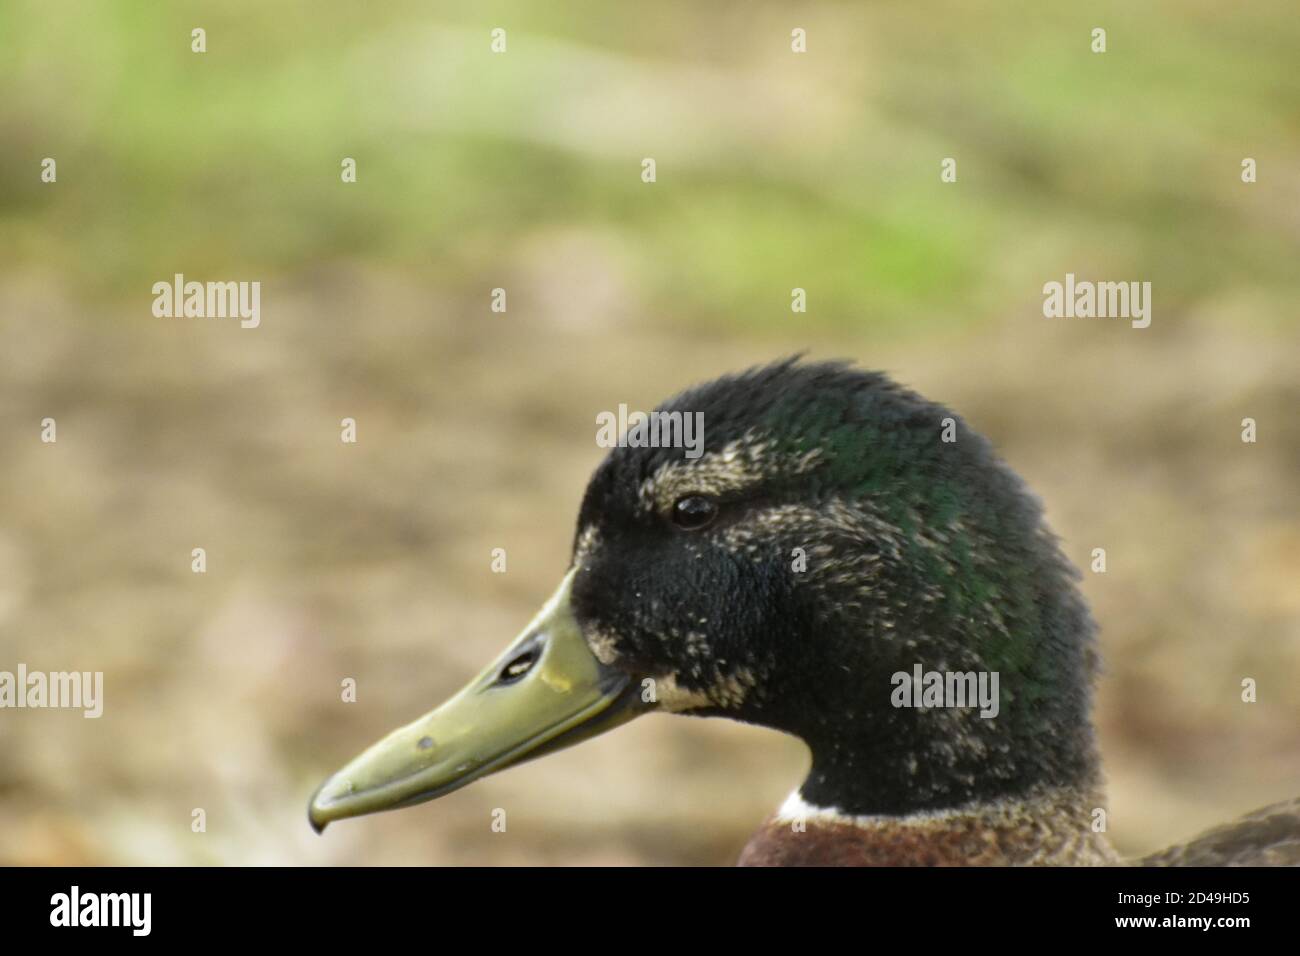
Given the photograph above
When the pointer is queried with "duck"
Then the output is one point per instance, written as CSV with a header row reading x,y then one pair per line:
x,y
835,541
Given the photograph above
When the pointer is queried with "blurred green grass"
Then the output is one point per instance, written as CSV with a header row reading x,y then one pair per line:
x,y
775,171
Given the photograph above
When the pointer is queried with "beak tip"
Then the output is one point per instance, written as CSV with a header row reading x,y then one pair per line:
x,y
317,815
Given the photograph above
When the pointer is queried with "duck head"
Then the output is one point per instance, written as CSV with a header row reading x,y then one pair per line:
x,y
836,531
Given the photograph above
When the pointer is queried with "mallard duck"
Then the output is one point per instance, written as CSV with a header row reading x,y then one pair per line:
x,y
839,541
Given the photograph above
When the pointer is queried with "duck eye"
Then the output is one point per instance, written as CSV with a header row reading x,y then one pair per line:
x,y
694,512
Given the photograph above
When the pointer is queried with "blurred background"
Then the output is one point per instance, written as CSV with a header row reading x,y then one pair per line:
x,y
476,430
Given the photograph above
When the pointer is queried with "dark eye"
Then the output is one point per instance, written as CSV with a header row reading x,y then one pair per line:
x,y
694,512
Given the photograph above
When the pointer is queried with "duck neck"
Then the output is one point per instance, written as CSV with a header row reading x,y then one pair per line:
x,y
961,713
898,763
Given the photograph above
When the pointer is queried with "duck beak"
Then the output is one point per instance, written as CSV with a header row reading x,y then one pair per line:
x,y
546,692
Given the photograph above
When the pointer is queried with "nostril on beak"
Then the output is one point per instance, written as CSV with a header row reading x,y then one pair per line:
x,y
522,662
425,743
518,667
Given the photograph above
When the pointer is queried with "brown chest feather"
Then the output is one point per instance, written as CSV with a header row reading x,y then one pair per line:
x,y
962,841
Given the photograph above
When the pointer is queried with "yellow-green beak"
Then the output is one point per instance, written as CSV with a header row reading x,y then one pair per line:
x,y
545,692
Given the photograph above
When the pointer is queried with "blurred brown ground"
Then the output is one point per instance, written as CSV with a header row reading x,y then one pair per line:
x,y
372,561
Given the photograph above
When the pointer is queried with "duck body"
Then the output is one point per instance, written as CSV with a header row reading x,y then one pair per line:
x,y
837,534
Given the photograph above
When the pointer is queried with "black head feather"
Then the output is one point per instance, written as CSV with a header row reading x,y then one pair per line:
x,y
851,542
